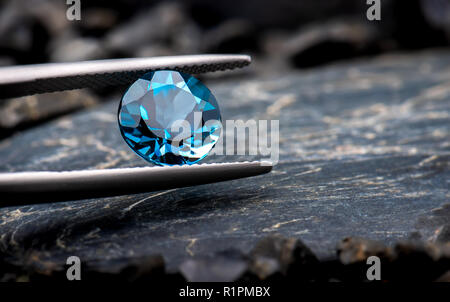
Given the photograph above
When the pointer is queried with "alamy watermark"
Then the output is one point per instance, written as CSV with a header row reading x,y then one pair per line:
x,y
251,137
74,273
73,12
374,271
74,270
374,11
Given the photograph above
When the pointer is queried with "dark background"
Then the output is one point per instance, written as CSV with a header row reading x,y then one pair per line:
x,y
303,33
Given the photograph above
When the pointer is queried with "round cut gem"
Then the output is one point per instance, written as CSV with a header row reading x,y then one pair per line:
x,y
169,118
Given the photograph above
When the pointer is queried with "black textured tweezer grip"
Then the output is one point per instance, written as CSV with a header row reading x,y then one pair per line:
x,y
24,80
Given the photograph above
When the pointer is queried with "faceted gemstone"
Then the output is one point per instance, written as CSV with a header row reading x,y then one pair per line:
x,y
169,118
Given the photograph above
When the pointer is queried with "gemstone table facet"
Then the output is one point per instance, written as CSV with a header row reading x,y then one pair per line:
x,y
169,118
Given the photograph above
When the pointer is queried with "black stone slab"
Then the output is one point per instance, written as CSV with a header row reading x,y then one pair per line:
x,y
364,151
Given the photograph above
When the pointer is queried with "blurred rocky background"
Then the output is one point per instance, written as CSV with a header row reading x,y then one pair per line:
x,y
300,33
281,35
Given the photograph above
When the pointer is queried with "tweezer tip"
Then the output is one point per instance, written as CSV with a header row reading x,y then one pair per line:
x,y
264,166
246,58
266,163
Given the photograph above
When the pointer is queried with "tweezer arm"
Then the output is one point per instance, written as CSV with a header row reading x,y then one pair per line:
x,y
24,80
34,187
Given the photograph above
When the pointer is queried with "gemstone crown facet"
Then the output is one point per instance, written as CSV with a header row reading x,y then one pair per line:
x,y
169,118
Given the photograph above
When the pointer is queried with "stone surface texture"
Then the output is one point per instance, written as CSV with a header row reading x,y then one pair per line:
x,y
364,152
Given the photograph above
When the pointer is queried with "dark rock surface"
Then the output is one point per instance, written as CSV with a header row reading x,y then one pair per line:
x,y
21,113
364,152
276,255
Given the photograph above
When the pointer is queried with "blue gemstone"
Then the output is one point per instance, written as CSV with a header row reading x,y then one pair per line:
x,y
169,118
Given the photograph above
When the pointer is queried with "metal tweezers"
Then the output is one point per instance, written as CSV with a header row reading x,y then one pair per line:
x,y
42,186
